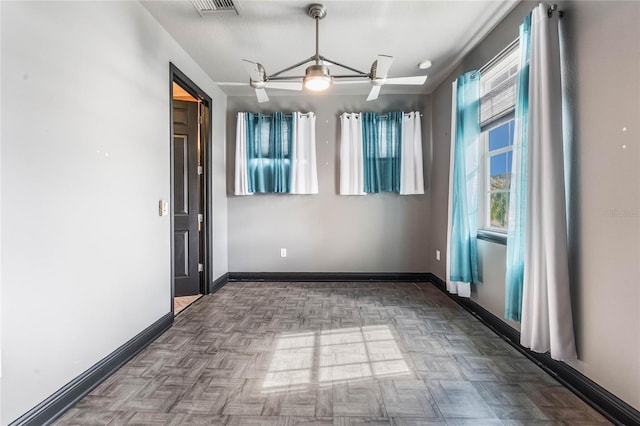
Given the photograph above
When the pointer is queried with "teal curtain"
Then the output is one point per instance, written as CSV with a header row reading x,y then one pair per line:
x,y
463,249
269,141
514,276
369,144
381,138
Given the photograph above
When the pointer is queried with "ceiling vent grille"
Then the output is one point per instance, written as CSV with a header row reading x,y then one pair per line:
x,y
214,7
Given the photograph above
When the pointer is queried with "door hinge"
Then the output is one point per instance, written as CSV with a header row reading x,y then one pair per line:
x,y
200,267
200,170
199,119
200,220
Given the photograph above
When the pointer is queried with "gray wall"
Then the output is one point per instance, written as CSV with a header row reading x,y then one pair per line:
x,y
85,258
327,232
603,44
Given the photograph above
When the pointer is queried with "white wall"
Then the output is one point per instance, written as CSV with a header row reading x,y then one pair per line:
x,y
85,159
603,48
327,232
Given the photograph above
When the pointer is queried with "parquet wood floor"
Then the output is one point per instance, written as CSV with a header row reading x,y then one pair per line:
x,y
329,354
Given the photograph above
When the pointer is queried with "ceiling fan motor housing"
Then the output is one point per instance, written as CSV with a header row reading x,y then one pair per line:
x,y
318,70
317,77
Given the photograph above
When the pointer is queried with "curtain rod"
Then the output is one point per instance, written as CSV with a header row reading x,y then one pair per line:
x,y
506,50
499,56
290,114
340,115
552,9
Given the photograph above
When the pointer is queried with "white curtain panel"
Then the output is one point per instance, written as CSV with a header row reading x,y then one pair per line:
x,y
411,172
547,323
241,175
304,172
462,289
351,155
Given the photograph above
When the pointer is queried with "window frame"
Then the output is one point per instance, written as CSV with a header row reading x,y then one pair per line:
x,y
485,170
486,231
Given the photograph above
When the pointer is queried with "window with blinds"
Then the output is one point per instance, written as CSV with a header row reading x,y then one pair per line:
x,y
498,88
497,118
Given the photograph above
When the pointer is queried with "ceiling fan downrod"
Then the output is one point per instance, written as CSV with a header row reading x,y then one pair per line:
x,y
317,11
317,76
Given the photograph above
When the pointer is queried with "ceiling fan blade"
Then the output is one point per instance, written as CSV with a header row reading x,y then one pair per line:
x,y
418,79
283,85
373,94
383,64
253,69
261,94
230,83
339,81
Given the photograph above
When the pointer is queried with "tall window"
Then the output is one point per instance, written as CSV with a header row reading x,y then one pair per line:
x,y
497,106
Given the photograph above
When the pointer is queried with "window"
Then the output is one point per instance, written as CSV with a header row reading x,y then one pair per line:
x,y
497,118
266,143
263,146
381,147
498,158
388,137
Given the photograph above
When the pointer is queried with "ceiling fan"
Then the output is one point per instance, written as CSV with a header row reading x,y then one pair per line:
x,y
317,76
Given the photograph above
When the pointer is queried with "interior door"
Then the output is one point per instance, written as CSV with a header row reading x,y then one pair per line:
x,y
186,200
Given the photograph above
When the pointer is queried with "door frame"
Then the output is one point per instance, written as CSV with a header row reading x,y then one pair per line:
x,y
177,76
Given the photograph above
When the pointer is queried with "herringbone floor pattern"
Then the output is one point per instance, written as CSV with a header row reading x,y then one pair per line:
x,y
329,354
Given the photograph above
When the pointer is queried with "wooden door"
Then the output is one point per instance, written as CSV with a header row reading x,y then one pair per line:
x,y
186,199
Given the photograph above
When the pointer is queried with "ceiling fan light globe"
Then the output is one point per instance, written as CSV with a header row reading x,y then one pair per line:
x,y
317,78
317,84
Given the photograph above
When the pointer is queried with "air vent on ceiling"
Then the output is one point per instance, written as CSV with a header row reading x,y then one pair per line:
x,y
214,7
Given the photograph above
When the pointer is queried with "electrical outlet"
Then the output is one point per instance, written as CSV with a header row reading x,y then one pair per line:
x,y
283,252
437,254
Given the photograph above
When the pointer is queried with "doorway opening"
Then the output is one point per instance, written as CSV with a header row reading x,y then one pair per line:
x,y
190,191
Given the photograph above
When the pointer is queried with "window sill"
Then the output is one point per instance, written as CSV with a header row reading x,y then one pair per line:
x,y
494,237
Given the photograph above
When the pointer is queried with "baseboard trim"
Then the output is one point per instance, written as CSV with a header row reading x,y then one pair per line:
x,y
329,276
219,283
55,405
609,405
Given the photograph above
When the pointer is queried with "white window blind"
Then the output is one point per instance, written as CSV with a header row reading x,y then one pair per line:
x,y
498,88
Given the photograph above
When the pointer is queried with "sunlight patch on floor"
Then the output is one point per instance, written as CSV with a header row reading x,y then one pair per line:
x,y
328,357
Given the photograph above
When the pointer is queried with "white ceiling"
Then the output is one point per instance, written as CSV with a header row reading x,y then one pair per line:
x,y
280,33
